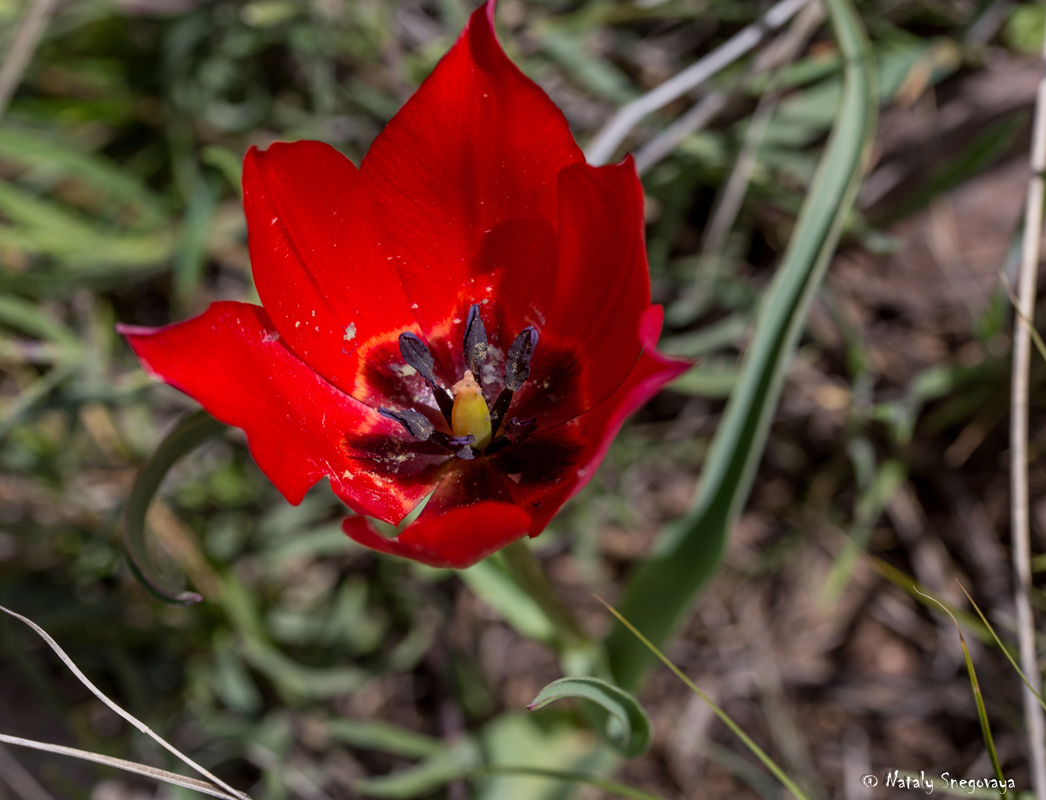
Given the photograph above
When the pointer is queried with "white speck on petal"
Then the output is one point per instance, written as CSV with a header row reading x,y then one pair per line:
x,y
405,370
297,324
515,477
350,332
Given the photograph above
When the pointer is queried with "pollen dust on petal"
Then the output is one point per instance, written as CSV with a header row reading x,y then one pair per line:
x,y
350,332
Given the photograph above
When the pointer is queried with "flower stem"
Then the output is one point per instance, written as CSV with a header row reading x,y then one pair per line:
x,y
530,576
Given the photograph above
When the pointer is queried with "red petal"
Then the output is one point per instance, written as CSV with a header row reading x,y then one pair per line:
x,y
553,465
323,273
457,538
232,360
464,177
590,341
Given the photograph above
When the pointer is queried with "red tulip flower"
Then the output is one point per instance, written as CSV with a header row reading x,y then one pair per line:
x,y
465,316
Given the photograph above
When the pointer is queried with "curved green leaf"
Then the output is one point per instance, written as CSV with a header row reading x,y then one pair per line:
x,y
631,731
188,434
662,590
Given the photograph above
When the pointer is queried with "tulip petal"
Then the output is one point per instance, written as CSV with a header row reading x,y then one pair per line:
x,y
590,342
458,538
553,465
233,361
324,274
465,180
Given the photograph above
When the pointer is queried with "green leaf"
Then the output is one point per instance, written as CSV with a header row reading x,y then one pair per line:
x,y
424,778
628,725
383,737
190,432
492,584
661,592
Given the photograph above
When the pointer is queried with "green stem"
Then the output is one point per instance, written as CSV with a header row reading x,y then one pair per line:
x,y
528,573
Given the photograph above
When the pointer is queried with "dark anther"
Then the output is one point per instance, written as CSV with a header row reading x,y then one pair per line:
x,y
458,445
416,424
516,429
517,364
475,341
499,409
416,353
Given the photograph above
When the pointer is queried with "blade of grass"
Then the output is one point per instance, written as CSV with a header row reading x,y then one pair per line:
x,y
757,751
1035,337
978,698
662,589
23,44
1005,649
909,585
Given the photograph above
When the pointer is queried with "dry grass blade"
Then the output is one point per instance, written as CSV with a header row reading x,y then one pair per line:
x,y
119,763
1019,508
982,713
228,790
606,141
756,750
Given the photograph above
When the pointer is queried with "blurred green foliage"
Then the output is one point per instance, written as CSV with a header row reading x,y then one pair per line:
x,y
312,663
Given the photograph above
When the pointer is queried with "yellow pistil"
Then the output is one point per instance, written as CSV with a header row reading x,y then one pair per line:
x,y
470,415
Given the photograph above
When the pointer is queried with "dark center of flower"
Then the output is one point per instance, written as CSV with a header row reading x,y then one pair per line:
x,y
475,427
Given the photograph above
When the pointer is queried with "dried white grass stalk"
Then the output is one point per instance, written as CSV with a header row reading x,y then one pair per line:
x,y
607,139
1019,440
216,787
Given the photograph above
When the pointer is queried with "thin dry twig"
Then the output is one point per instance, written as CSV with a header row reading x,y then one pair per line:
x,y
23,44
1035,722
610,136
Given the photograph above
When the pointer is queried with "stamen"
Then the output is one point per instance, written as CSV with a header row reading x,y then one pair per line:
x,y
415,423
475,341
416,353
458,445
517,364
